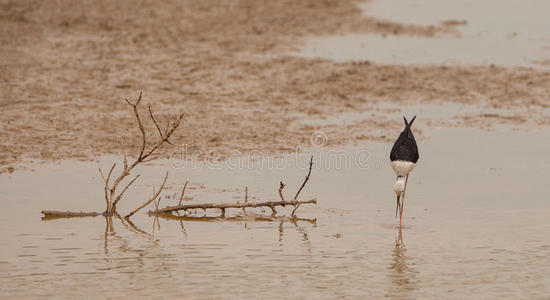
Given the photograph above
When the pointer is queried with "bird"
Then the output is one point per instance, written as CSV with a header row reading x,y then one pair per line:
x,y
403,157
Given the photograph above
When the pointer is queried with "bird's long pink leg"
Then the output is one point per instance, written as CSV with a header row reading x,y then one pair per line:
x,y
403,201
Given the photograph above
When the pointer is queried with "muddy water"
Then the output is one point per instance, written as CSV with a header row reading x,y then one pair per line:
x,y
511,33
476,223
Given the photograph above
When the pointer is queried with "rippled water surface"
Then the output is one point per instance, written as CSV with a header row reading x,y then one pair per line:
x,y
477,222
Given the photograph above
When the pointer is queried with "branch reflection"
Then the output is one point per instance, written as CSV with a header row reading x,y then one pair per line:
x,y
245,219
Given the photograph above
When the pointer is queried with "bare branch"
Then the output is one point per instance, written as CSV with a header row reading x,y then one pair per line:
x,y
110,172
281,187
106,180
165,137
154,120
151,199
307,178
183,192
124,190
157,125
142,155
140,125
232,205
151,158
137,102
125,161
270,204
167,126
101,173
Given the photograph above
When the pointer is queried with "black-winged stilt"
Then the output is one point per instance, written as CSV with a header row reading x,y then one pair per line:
x,y
403,156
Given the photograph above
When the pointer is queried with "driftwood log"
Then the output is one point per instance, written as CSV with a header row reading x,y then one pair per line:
x,y
53,214
223,206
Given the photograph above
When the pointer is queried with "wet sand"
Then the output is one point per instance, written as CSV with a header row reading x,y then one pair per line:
x,y
476,224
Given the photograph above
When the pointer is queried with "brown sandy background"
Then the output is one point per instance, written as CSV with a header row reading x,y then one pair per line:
x,y
65,67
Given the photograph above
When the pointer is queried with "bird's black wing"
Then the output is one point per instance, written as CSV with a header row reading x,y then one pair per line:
x,y
405,149
414,148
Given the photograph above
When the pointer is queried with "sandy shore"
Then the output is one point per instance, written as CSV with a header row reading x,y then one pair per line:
x,y
65,67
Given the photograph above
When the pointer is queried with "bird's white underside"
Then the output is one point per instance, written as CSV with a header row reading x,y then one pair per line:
x,y
399,186
402,168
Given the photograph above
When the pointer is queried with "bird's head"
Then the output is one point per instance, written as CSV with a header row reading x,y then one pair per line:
x,y
399,186
407,130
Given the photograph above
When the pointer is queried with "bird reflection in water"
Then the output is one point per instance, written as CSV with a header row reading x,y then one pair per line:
x,y
402,274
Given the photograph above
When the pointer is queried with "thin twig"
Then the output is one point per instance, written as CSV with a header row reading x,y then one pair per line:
x,y
281,187
150,200
141,129
303,184
245,198
167,135
125,157
124,190
307,178
157,125
183,192
106,180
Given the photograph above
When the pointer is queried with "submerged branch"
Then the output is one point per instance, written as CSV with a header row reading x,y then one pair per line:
x,y
56,214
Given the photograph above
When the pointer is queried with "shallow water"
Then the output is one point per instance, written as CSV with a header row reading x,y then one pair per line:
x,y
476,223
509,33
